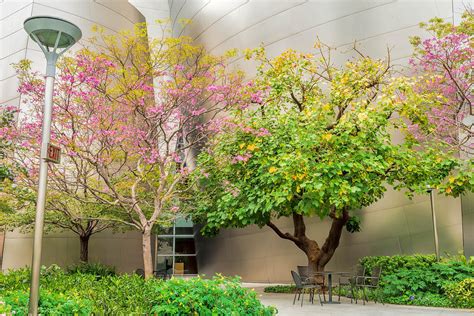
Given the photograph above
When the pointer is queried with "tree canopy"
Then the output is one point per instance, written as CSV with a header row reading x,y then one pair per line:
x,y
320,143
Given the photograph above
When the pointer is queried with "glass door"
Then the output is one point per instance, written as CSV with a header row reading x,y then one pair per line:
x,y
175,250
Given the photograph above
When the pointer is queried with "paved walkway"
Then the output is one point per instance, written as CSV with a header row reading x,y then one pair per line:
x,y
284,303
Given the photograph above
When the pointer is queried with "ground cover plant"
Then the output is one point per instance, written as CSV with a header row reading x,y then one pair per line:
x,y
82,294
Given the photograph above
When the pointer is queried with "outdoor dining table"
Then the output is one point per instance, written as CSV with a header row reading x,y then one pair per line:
x,y
330,274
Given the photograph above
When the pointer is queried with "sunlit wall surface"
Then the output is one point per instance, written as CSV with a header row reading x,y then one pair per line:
x,y
393,225
122,250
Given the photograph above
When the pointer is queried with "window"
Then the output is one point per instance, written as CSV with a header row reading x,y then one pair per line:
x,y
175,251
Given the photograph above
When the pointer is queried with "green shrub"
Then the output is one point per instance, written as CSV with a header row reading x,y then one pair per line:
x,y
5,309
131,295
49,304
393,264
461,293
421,280
280,289
97,269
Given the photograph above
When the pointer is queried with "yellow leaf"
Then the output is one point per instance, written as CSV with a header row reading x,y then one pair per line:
x,y
327,137
242,145
362,116
452,179
251,147
272,169
448,190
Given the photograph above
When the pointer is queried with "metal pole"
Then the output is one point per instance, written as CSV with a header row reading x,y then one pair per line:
x,y
41,199
435,229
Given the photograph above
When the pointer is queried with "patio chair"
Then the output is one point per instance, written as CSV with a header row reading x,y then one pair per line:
x,y
352,280
301,288
372,282
140,272
308,277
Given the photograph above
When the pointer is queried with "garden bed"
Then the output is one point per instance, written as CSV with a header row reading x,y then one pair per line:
x,y
75,293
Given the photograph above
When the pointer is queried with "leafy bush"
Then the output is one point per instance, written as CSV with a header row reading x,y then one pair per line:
x,y
393,264
131,294
97,269
421,280
461,293
49,304
280,289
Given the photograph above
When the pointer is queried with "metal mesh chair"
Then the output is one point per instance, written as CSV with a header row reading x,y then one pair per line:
x,y
309,277
372,282
352,280
301,288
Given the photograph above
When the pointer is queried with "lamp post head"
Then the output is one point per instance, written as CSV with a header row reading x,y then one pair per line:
x,y
52,34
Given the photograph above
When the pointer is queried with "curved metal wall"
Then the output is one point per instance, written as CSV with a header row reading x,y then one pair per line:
x,y
394,224
122,250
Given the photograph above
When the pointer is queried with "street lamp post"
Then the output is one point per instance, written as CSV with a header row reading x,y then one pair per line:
x,y
54,36
435,226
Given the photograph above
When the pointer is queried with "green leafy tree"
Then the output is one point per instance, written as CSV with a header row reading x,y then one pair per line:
x,y
64,212
319,143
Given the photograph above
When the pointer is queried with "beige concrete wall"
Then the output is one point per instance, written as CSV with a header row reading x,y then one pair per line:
x,y
122,250
391,226
394,225
468,223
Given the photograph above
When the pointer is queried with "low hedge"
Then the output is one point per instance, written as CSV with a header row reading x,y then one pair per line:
x,y
280,289
83,294
97,269
393,264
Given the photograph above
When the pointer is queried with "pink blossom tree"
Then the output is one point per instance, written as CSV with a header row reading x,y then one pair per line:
x,y
444,64
127,139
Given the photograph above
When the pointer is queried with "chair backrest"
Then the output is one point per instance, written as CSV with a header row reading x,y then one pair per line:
x,y
296,279
303,271
359,273
140,272
376,272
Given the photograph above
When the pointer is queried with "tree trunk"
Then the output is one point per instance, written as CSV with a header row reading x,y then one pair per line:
x,y
84,247
317,257
147,255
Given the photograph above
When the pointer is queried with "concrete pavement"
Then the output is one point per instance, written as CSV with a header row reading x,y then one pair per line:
x,y
284,303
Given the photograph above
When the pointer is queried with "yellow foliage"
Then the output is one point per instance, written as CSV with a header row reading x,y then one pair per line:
x,y
251,147
272,169
327,137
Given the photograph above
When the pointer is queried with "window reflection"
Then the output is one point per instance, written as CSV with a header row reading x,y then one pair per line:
x,y
185,246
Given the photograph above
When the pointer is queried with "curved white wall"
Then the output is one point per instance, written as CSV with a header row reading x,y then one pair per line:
x,y
394,224
121,250
113,15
